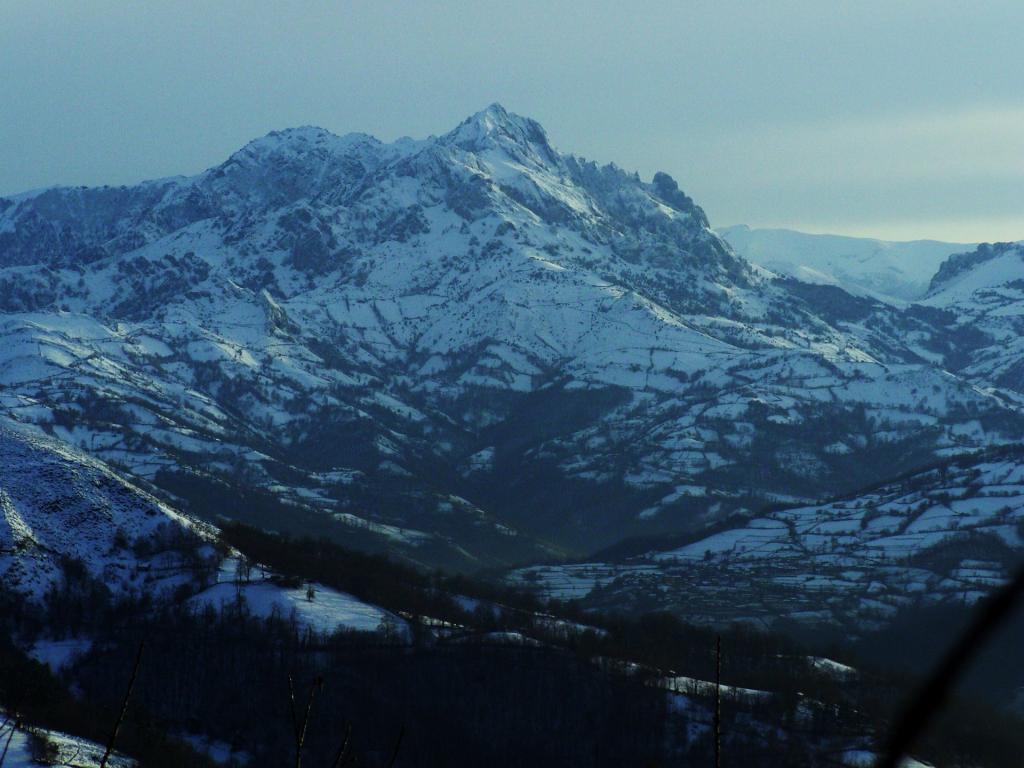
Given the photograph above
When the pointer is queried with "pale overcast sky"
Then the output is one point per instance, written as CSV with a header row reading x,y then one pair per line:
x,y
893,119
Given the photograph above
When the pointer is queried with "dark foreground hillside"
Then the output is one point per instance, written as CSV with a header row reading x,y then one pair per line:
x,y
483,677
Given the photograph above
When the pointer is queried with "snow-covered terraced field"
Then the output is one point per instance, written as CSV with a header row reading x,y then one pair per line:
x,y
946,534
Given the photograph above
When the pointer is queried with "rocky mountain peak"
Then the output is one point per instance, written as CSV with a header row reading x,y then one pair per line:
x,y
495,127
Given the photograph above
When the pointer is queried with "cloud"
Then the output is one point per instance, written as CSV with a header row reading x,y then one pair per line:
x,y
957,171
967,144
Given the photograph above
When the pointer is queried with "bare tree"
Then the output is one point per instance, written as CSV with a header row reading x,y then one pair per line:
x,y
124,705
343,757
243,572
299,728
718,702
300,725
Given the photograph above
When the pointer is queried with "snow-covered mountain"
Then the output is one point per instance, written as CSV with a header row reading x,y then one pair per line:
x,y
859,265
947,533
472,348
973,276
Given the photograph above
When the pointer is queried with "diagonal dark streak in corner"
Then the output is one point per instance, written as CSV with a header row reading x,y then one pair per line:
x,y
934,692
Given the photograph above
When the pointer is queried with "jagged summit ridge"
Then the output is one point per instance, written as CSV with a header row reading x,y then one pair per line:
x,y
313,143
493,164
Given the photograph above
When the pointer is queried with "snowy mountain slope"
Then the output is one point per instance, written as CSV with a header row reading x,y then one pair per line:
x,y
863,266
988,267
949,533
410,345
984,291
61,507
968,323
68,518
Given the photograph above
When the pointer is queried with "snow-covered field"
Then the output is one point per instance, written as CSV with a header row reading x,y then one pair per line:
x,y
65,750
60,505
944,534
327,612
57,654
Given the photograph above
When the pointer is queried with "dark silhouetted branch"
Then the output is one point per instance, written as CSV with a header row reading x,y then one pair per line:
x,y
343,757
300,727
398,745
933,694
124,706
718,701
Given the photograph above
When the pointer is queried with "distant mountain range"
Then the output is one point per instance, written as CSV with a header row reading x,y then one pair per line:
x,y
859,265
477,351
